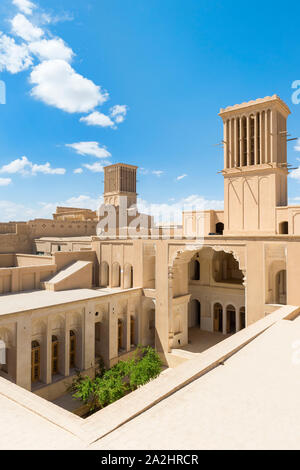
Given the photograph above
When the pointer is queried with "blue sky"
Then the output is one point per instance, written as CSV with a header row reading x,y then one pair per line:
x,y
105,81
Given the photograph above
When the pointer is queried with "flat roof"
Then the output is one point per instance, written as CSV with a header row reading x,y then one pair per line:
x,y
32,300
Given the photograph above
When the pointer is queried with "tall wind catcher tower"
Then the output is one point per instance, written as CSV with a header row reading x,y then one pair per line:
x,y
255,165
120,181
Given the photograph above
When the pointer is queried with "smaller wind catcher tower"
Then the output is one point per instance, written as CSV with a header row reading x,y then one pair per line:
x,y
255,165
120,181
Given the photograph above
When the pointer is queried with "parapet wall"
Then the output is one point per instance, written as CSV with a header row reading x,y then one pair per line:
x,y
15,242
12,260
51,228
18,279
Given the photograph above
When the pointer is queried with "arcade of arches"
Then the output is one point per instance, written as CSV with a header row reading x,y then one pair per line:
x,y
217,294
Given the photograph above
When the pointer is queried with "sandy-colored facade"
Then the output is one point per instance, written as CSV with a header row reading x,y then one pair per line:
x,y
71,293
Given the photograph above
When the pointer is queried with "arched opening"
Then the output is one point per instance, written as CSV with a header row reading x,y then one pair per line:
x,y
72,349
128,276
226,269
280,285
104,274
35,361
195,270
194,314
120,334
242,318
284,228
230,319
204,312
132,331
116,275
54,355
218,318
219,228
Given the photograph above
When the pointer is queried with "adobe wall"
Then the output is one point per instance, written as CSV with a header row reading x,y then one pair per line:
x,y
14,243
7,260
62,259
24,278
51,228
32,260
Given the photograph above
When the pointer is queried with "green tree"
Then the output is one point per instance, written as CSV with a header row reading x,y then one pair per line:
x,y
113,384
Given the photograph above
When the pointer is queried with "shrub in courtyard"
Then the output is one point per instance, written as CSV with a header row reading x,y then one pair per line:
x,y
121,379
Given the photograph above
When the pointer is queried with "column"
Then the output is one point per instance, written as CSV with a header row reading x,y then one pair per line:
x,y
255,140
229,145
112,330
232,143
46,364
241,144
248,140
225,131
23,352
128,325
162,296
224,321
236,143
170,305
237,320
66,370
274,136
88,338
266,138
261,140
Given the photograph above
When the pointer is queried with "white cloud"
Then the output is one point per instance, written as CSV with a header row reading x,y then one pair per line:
x,y
157,172
5,181
13,57
90,148
50,49
54,81
13,211
25,167
25,6
46,209
57,84
95,167
47,170
97,119
295,174
297,146
23,28
77,171
172,213
181,177
118,112
16,166
162,212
